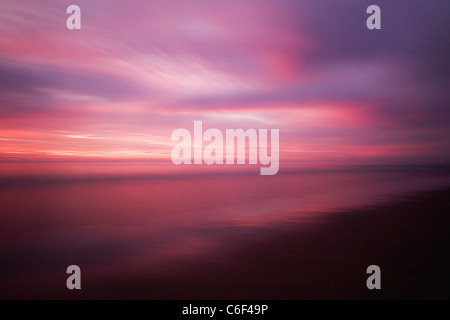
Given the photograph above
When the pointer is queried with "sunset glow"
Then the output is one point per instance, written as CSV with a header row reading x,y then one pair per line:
x,y
116,91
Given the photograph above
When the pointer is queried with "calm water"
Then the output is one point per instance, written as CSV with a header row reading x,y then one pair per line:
x,y
153,225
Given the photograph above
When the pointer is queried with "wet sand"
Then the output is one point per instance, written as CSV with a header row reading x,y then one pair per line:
x,y
325,258
408,239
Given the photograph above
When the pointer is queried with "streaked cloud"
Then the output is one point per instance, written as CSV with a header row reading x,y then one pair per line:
x,y
135,72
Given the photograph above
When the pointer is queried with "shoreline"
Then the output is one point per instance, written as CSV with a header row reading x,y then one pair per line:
x,y
407,238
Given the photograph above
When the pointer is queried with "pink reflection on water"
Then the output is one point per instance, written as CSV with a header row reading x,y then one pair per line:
x,y
157,225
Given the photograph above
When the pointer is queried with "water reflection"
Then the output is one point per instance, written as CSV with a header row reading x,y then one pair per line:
x,y
154,225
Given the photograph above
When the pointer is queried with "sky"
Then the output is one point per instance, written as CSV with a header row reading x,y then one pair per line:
x,y
137,70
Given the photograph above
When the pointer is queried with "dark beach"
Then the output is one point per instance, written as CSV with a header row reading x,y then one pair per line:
x,y
409,239
323,256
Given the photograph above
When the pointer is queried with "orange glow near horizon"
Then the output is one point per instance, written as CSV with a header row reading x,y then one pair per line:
x,y
109,93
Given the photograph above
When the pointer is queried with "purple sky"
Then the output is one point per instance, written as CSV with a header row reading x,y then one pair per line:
x,y
136,71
